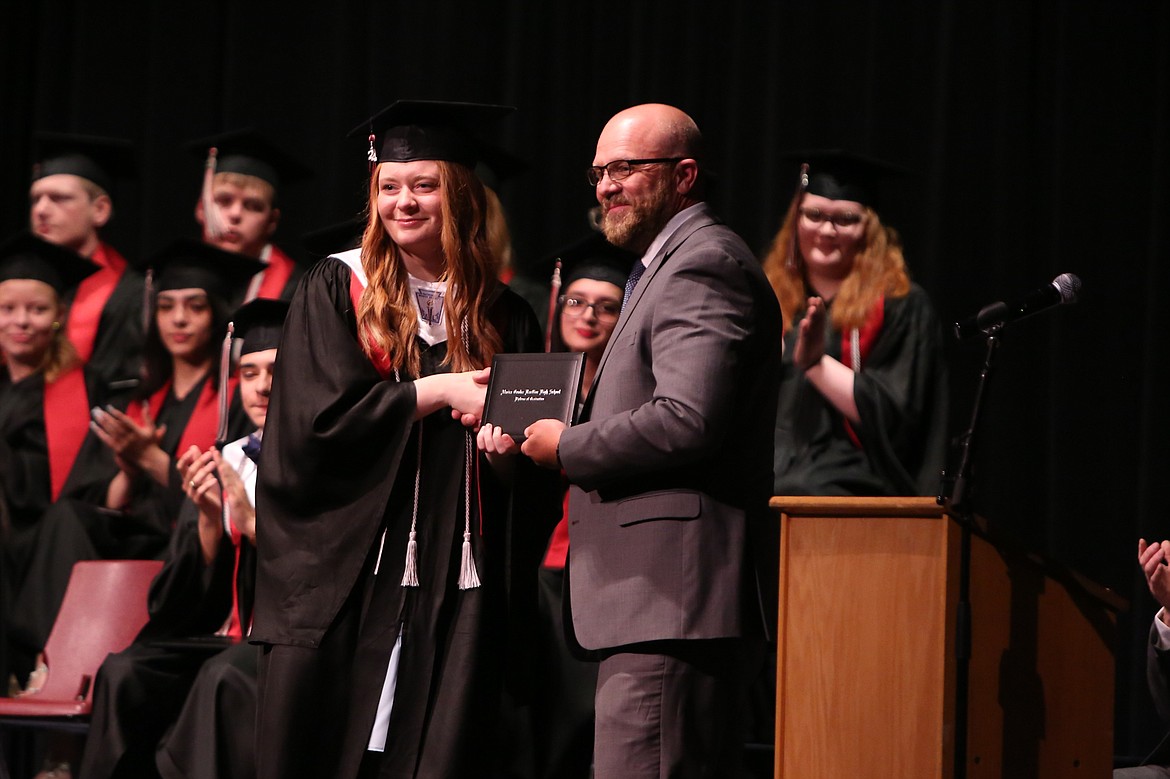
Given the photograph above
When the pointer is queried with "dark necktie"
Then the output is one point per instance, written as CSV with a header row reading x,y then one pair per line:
x,y
635,274
251,448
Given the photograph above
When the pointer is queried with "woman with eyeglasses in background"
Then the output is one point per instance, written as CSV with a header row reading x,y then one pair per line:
x,y
552,737
863,397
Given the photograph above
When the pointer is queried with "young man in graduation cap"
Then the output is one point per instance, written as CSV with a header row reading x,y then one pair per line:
x,y
237,206
69,203
206,688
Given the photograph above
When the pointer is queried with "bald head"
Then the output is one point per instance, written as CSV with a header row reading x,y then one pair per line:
x,y
661,130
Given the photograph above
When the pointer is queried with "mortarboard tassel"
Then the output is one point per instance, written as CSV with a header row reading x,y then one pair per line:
x,y
801,186
212,221
553,294
225,368
468,576
410,572
372,153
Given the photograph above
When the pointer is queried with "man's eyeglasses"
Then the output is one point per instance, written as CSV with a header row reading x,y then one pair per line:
x,y
621,169
817,216
604,310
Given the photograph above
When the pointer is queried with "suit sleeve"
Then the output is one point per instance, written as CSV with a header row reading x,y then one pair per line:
x,y
694,337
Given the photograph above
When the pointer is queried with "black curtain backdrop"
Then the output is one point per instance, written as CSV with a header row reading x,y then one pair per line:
x,y
1037,133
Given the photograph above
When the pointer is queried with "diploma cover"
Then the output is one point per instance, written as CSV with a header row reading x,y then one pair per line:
x,y
526,387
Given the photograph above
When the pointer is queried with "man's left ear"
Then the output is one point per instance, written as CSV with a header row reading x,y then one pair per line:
x,y
273,221
687,175
103,209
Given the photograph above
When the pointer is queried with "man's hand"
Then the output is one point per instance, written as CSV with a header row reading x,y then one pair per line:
x,y
542,438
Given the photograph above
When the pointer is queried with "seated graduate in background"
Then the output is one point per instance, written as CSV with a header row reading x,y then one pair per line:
x,y
44,414
181,700
863,398
71,200
1153,560
133,490
238,211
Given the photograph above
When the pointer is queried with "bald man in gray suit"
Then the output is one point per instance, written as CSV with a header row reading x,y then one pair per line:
x,y
671,465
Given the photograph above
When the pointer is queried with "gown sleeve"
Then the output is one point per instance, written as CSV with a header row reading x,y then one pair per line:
x,y
333,444
901,397
24,452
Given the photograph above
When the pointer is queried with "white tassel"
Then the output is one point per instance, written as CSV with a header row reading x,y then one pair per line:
x,y
468,576
410,575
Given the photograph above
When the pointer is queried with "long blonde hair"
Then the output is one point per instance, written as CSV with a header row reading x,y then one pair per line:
x,y
386,316
879,269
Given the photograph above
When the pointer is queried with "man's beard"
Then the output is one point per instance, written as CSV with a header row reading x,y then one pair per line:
x,y
637,227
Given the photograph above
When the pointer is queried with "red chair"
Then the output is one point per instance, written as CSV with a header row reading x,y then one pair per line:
x,y
103,610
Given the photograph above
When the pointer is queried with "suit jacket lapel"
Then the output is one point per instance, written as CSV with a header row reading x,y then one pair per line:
x,y
701,218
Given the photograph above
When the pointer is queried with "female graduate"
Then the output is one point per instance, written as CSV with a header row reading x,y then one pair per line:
x,y
179,402
44,409
380,593
863,396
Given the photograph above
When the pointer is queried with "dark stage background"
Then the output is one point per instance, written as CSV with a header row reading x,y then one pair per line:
x,y
1038,133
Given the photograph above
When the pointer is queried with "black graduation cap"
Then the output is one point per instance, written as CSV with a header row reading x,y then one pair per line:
x,y
409,130
839,174
337,237
593,257
194,264
259,324
250,153
100,160
25,256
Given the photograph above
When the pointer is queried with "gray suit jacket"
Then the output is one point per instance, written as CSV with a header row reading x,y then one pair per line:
x,y
671,464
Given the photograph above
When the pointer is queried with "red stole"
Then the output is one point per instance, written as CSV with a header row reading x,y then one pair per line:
x,y
66,411
235,628
379,357
204,421
92,294
866,335
275,275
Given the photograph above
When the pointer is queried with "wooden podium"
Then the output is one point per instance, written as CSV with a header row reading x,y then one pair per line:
x,y
866,668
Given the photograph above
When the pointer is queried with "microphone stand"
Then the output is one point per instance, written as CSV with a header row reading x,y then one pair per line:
x,y
956,496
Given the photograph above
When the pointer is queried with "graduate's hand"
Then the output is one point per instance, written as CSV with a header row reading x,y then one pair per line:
x,y
240,509
810,336
197,469
542,438
466,396
125,437
1153,559
492,440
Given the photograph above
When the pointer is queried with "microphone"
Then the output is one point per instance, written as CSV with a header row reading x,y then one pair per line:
x,y
1063,289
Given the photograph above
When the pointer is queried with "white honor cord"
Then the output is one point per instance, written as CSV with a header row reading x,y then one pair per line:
x,y
855,349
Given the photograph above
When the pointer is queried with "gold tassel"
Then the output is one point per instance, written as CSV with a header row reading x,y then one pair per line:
x,y
213,225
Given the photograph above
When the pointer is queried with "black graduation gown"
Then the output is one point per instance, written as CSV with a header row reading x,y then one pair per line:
x,y
76,528
117,350
25,495
339,467
901,396
139,692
